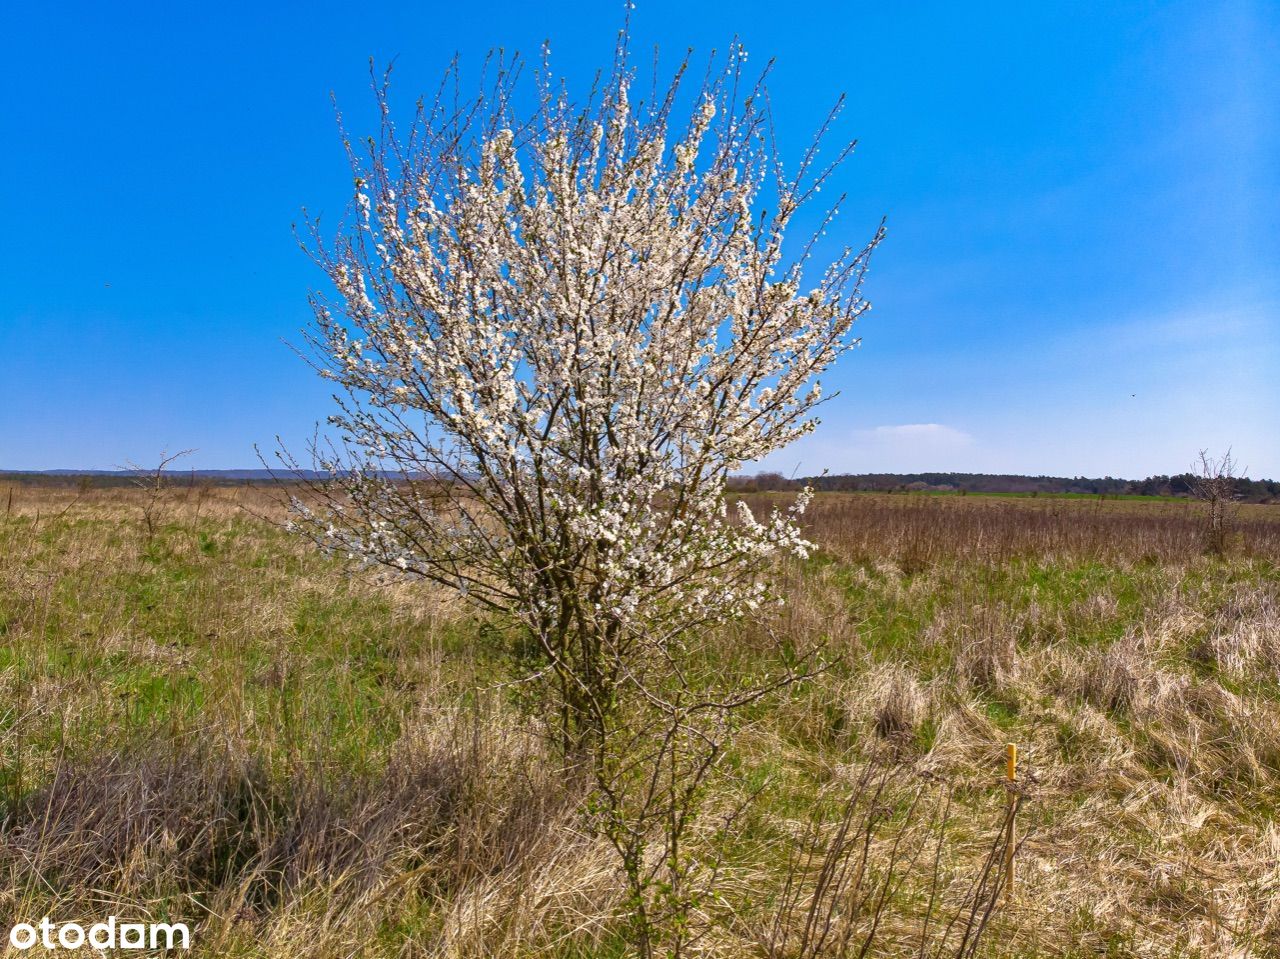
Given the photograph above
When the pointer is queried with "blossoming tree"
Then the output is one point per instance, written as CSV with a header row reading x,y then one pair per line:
x,y
555,336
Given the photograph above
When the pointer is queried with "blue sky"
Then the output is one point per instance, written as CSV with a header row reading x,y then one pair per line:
x,y
1082,273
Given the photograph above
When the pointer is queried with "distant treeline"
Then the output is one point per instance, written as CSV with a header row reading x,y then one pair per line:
x,y
1247,490
107,479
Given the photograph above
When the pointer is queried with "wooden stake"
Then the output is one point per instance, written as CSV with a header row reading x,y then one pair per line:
x,y
1011,774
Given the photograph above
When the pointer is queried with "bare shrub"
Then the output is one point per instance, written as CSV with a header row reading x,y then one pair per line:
x,y
1214,484
153,482
860,856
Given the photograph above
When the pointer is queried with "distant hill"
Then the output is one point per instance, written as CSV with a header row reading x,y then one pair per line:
x,y
1247,490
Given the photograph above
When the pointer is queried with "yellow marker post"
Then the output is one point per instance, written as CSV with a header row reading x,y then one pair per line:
x,y
1011,774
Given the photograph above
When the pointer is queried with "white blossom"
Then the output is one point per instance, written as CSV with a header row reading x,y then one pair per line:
x,y
556,340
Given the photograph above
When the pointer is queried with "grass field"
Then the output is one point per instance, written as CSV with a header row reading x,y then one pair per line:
x,y
212,722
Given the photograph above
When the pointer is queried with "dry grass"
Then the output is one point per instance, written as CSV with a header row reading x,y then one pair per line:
x,y
218,725
916,532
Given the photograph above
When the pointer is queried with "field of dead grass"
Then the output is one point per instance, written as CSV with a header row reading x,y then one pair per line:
x,y
213,723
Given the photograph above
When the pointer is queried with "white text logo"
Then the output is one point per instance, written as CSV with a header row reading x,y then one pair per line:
x,y
111,934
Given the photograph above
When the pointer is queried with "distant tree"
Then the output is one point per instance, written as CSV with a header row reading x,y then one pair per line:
x,y
153,481
1214,483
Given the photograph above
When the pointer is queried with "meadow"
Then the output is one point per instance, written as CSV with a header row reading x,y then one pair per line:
x,y
202,718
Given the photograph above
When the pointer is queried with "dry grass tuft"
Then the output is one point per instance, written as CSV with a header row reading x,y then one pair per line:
x,y
901,706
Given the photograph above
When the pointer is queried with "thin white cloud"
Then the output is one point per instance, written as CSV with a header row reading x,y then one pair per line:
x,y
1239,327
922,434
